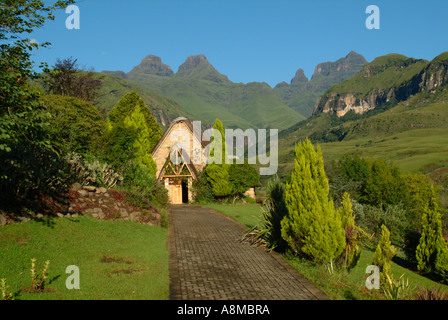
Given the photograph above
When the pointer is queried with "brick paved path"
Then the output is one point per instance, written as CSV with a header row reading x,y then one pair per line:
x,y
209,262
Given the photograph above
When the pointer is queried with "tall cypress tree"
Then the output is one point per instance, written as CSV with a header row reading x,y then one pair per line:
x,y
312,226
131,125
431,242
218,174
384,253
142,143
125,107
351,252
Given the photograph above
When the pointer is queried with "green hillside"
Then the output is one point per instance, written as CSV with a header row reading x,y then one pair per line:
x,y
114,88
412,133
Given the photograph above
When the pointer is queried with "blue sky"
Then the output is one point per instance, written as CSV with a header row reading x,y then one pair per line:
x,y
263,40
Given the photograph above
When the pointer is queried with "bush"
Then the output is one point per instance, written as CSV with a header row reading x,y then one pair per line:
x,y
91,171
312,226
75,125
371,218
269,229
202,190
383,255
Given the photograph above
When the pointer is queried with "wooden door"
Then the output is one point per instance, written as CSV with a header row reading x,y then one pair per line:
x,y
176,192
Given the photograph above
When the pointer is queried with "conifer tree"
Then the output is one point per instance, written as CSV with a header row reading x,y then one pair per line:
x,y
124,108
142,144
431,241
132,126
384,253
218,173
351,252
312,226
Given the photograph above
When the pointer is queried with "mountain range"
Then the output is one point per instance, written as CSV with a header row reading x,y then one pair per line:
x,y
395,108
206,94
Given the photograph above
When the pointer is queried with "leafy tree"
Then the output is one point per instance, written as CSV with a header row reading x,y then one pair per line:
x,y
431,240
27,160
75,125
219,177
384,253
383,185
202,189
126,106
66,79
312,226
132,132
242,177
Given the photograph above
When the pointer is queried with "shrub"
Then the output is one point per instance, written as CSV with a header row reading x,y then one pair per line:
x,y
3,289
383,254
242,177
312,226
371,218
433,293
92,172
351,253
268,229
202,189
396,289
431,242
75,125
38,281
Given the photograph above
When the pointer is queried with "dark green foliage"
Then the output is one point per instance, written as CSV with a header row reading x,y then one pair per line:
x,y
394,217
269,230
202,189
66,79
242,177
377,182
218,176
141,184
75,125
126,106
118,145
132,133
27,159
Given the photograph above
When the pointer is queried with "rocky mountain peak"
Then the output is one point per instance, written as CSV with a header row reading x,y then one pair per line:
x,y
193,62
152,64
345,65
299,77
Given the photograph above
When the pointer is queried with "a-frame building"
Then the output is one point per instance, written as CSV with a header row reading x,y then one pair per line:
x,y
179,156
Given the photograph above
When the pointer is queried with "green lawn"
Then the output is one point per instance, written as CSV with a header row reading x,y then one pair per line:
x,y
339,285
136,255
246,214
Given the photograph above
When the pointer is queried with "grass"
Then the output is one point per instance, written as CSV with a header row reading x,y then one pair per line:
x,y
339,285
117,259
246,214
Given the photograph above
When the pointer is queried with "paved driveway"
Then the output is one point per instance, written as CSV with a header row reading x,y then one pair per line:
x,y
209,262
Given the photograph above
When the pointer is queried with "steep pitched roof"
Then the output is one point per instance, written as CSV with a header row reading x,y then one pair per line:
x,y
189,126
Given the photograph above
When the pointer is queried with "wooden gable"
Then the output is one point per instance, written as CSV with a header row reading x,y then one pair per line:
x,y
179,133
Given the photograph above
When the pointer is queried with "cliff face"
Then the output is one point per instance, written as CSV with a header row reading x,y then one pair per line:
x,y
386,79
301,94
